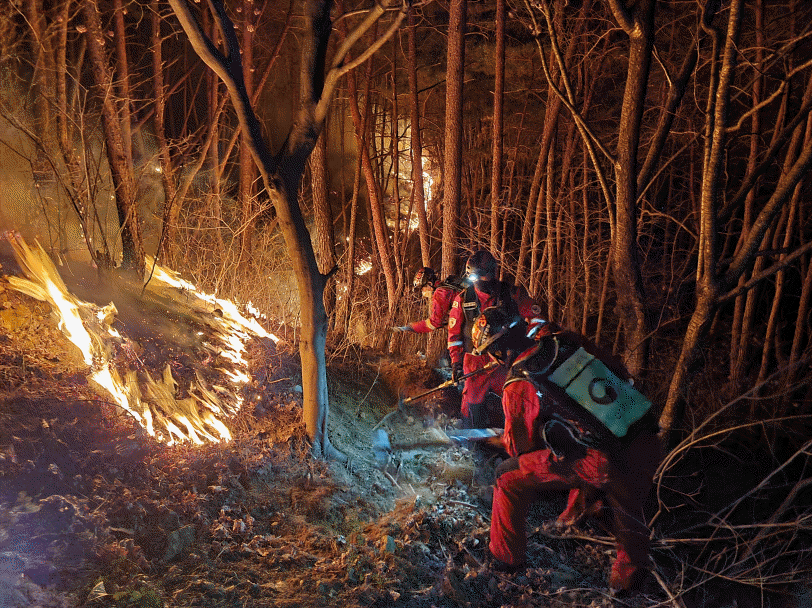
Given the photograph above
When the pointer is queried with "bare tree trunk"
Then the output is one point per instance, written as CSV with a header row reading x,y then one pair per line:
x,y
589,255
707,283
418,187
800,140
349,264
65,133
638,25
123,82
281,178
399,233
526,245
498,128
247,172
801,329
117,154
452,173
212,211
42,85
380,231
739,341
168,176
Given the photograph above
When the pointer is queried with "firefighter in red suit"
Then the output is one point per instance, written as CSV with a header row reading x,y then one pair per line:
x,y
484,290
441,295
548,453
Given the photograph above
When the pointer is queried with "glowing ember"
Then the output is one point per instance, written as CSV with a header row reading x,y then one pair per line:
x,y
197,418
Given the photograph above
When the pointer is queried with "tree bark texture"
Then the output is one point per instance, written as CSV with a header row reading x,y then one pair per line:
x,y
452,173
282,174
117,154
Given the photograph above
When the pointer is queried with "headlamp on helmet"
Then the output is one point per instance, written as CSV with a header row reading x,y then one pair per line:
x,y
481,266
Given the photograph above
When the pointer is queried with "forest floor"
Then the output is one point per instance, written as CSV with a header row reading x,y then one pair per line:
x,y
95,513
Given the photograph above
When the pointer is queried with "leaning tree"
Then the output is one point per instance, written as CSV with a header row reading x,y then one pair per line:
x,y
282,172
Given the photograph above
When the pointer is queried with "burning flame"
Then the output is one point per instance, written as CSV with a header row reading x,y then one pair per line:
x,y
197,418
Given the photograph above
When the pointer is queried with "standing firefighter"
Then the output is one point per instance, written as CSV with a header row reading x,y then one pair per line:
x,y
484,291
572,421
441,294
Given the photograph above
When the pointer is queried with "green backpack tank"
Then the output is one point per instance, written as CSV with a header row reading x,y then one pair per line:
x,y
584,389
613,401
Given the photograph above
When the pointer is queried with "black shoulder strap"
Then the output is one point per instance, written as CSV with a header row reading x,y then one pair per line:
x,y
470,305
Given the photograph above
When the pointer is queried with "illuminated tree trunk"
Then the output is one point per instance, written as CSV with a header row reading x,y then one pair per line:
x,y
498,116
118,157
707,284
247,173
379,229
65,135
168,174
638,25
282,174
418,187
452,174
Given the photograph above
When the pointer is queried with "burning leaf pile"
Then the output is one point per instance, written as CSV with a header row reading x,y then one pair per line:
x,y
136,368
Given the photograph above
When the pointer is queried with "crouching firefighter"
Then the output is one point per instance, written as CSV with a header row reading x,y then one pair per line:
x,y
573,421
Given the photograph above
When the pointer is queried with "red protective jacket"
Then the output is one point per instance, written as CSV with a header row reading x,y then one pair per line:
x,y
459,330
622,479
459,342
441,300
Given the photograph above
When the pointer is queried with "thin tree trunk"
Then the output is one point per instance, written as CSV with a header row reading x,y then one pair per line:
x,y
247,168
168,177
123,82
498,128
117,155
638,25
65,133
212,212
739,341
707,283
380,231
349,266
418,187
800,140
452,173
589,255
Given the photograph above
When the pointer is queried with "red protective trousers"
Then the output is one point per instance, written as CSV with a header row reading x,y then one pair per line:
x,y
477,387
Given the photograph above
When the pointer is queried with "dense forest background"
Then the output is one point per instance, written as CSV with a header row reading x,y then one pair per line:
x,y
642,168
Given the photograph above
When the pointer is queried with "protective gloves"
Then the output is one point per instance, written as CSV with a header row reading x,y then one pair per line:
x,y
402,328
456,372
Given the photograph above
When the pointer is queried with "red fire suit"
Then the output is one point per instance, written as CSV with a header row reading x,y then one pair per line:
x,y
441,299
460,348
621,479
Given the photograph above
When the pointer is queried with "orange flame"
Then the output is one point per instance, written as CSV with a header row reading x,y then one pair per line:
x,y
198,418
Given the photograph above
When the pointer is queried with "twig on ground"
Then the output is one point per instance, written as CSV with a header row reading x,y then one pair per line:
x,y
675,600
